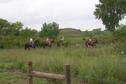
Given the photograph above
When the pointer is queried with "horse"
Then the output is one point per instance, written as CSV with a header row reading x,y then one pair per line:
x,y
46,44
29,45
91,43
37,43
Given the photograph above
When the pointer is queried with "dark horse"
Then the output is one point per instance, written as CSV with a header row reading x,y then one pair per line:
x,y
29,45
46,44
91,43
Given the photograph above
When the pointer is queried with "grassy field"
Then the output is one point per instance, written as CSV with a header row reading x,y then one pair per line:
x,y
94,65
104,64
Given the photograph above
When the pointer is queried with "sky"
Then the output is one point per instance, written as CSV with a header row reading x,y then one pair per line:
x,y
67,13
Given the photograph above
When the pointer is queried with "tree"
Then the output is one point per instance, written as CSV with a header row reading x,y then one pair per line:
x,y
50,30
27,33
7,28
16,28
4,25
110,12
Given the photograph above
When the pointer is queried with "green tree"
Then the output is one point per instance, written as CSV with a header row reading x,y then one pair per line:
x,y
4,25
122,4
15,28
27,33
110,12
7,28
50,30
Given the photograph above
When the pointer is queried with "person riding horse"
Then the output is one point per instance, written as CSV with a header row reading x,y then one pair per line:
x,y
46,43
31,44
91,42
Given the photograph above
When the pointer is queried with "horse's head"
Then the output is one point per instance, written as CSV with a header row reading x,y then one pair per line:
x,y
52,41
96,42
36,43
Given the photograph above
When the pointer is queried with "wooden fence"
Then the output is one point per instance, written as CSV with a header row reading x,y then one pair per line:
x,y
66,77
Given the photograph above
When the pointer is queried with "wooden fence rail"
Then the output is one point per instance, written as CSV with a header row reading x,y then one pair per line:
x,y
66,76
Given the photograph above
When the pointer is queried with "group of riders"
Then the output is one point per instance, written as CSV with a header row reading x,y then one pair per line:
x,y
90,42
47,43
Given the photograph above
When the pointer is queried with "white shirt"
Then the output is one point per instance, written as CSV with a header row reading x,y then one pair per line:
x,y
31,39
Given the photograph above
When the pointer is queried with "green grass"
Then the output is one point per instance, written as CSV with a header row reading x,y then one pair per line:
x,y
94,65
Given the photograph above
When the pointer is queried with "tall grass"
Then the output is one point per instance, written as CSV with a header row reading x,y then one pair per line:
x,y
94,65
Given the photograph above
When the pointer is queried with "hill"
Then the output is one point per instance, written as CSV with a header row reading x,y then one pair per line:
x,y
71,34
70,30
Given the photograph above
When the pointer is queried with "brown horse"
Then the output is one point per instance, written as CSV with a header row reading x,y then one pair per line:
x,y
46,44
91,43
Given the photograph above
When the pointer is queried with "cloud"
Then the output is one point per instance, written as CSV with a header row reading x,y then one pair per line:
x,y
68,13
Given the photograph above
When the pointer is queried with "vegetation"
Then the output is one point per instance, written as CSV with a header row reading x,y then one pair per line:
x,y
110,12
14,35
120,39
50,30
103,64
94,65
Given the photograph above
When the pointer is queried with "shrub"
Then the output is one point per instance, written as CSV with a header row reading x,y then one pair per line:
x,y
120,33
66,43
120,39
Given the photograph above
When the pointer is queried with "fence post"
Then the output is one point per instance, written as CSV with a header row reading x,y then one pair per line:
x,y
30,79
67,74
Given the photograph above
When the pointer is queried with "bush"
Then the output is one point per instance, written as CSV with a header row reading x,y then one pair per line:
x,y
120,47
11,42
66,43
120,33
120,40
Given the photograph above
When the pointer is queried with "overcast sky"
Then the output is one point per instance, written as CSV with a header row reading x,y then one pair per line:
x,y
67,13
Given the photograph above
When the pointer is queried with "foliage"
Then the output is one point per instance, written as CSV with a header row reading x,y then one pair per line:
x,y
15,28
120,33
13,34
7,28
12,41
4,25
94,65
50,30
122,4
110,12
27,32
120,39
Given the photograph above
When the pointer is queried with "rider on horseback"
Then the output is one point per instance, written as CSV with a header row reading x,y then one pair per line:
x,y
48,41
91,42
31,42
90,39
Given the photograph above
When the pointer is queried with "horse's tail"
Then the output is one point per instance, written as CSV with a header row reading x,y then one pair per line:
x,y
25,46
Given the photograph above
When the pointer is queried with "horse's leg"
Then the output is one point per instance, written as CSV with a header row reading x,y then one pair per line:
x,y
43,46
25,47
34,46
28,47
